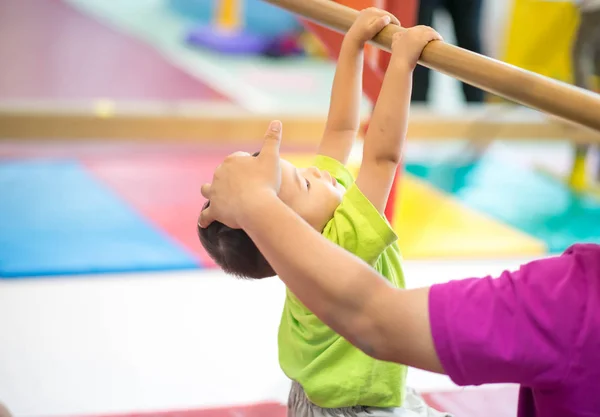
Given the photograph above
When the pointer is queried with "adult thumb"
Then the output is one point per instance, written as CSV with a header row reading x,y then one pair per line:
x,y
272,140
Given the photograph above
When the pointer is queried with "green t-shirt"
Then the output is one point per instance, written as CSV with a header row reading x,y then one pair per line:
x,y
332,371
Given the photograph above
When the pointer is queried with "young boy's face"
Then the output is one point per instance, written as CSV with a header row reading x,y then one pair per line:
x,y
310,192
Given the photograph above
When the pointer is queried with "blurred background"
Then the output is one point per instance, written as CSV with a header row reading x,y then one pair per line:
x,y
113,113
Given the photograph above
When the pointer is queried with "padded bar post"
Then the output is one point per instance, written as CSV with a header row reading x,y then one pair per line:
x,y
504,80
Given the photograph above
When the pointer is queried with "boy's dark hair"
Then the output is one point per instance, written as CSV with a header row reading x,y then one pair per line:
x,y
233,250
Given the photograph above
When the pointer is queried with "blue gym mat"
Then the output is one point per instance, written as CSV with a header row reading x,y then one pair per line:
x,y
46,230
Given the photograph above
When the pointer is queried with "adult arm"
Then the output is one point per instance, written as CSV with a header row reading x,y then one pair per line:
x,y
522,327
517,328
346,293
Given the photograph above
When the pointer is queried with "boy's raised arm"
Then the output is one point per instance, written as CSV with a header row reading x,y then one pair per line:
x,y
343,122
385,138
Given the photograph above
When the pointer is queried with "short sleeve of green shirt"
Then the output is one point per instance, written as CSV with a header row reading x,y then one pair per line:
x,y
336,169
356,225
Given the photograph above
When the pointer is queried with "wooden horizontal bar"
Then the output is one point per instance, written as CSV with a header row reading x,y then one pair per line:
x,y
507,81
227,124
146,121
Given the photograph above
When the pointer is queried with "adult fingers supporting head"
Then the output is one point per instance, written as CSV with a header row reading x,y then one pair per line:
x,y
206,218
205,190
234,155
206,214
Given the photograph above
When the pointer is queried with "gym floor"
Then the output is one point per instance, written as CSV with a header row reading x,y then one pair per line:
x,y
109,306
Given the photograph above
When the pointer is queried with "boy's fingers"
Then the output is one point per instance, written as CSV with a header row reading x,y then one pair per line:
x,y
433,37
394,20
383,21
205,190
379,23
432,34
428,32
272,141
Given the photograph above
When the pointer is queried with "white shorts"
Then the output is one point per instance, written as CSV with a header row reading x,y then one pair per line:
x,y
414,406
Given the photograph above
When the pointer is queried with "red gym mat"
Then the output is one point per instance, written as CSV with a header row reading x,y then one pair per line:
x,y
49,50
255,410
488,401
163,188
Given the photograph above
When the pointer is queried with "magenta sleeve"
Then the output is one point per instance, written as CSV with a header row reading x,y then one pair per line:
x,y
517,328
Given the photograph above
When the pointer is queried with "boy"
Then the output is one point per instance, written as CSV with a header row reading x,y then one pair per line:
x,y
330,376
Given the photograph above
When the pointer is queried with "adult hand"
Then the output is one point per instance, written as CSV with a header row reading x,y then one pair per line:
x,y
241,179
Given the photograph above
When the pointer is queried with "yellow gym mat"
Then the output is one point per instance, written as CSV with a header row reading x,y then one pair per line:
x,y
434,225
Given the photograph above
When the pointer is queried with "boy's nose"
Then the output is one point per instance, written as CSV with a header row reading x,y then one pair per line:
x,y
316,172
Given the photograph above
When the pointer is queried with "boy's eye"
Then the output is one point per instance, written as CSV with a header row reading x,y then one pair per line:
x,y
307,184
